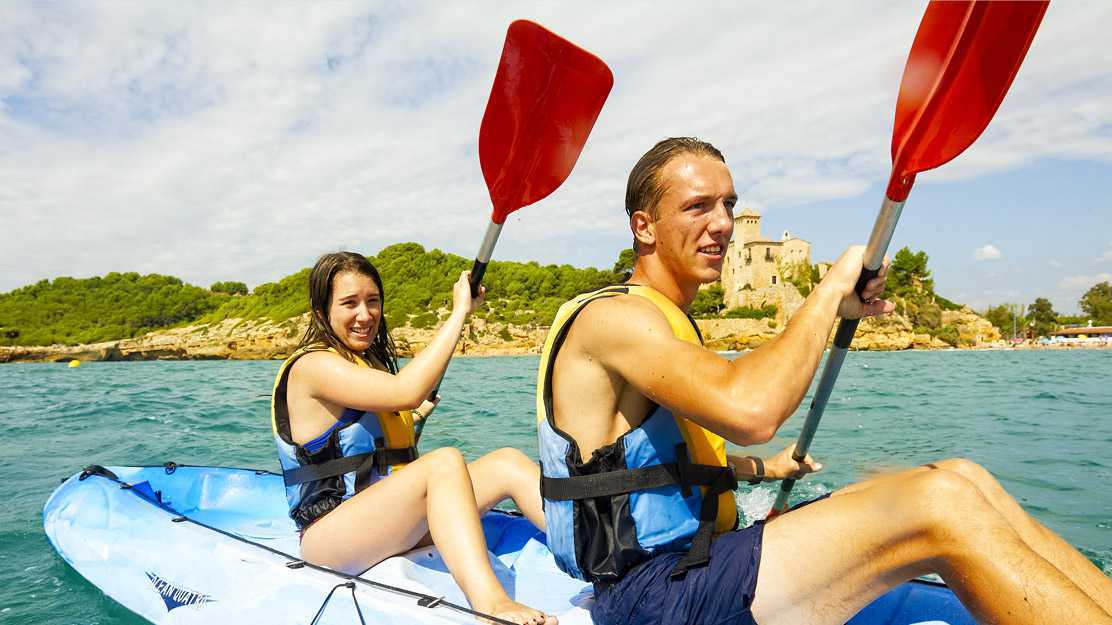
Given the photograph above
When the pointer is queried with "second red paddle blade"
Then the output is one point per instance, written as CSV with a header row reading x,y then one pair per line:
x,y
962,62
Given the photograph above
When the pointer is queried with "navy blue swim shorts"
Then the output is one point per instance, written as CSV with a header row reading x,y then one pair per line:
x,y
720,593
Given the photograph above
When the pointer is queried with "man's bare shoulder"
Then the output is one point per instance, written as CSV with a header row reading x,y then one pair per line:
x,y
619,322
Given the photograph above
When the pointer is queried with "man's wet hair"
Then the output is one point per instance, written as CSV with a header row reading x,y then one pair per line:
x,y
645,188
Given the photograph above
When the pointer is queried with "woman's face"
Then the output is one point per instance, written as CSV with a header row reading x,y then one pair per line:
x,y
355,309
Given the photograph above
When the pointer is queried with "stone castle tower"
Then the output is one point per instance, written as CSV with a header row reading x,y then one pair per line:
x,y
754,268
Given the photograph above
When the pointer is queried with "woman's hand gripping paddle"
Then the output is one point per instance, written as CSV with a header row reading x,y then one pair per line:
x,y
961,64
547,94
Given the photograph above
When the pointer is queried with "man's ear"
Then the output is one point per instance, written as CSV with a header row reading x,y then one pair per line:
x,y
644,229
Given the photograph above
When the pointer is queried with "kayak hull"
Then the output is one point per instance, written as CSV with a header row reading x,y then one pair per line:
x,y
184,544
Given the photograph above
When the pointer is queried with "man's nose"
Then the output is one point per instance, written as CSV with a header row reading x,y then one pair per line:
x,y
362,313
720,219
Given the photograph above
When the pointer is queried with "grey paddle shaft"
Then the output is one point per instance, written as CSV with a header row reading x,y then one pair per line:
x,y
482,259
883,229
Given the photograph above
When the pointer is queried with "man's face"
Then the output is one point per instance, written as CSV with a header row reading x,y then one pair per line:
x,y
695,217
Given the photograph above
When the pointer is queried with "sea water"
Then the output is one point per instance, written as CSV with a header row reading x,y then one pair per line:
x,y
1041,421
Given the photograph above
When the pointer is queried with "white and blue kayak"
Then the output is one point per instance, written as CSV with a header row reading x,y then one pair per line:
x,y
188,544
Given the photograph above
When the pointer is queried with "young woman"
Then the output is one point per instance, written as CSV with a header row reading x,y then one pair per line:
x,y
343,416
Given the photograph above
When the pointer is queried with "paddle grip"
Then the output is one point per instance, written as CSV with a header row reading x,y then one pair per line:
x,y
863,280
477,271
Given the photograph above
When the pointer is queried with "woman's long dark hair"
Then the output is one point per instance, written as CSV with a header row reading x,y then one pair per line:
x,y
320,298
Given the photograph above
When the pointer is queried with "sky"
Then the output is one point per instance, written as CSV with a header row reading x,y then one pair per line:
x,y
216,141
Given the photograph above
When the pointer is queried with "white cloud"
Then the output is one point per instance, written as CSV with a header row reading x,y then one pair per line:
x,y
216,142
987,252
1107,255
1071,288
1083,282
1055,263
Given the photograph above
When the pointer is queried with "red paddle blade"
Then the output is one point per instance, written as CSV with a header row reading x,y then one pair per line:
x,y
547,94
962,63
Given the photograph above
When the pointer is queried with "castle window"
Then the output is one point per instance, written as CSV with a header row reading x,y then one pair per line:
x,y
768,253
774,279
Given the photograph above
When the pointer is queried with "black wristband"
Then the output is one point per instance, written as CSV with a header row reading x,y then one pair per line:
x,y
759,476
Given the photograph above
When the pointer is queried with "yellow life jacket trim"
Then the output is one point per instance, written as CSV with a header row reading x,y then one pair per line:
x,y
397,427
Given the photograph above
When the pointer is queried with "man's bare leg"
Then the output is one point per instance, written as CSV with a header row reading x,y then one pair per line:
x,y
1039,538
824,562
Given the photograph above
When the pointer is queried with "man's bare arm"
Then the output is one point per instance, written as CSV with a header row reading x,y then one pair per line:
x,y
745,400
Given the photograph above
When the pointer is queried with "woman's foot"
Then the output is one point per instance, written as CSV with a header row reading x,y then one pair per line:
x,y
515,612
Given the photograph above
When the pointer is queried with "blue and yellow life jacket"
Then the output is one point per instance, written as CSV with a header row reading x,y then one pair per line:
x,y
663,486
355,452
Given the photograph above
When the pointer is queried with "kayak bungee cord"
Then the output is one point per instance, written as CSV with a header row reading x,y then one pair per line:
x,y
358,610
423,600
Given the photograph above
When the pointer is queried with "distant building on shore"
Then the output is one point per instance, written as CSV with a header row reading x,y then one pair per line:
x,y
1092,333
754,266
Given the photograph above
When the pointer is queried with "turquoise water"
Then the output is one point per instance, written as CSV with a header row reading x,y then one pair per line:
x,y
1040,420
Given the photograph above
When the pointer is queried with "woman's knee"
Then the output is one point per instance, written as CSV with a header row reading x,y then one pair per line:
x,y
509,457
445,459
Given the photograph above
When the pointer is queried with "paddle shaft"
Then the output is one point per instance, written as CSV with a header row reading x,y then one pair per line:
x,y
482,259
881,237
478,270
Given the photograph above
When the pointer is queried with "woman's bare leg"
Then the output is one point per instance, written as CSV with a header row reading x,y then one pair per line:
x,y
432,494
826,561
1039,538
508,473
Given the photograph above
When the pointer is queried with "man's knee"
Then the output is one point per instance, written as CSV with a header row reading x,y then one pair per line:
x,y
968,469
936,499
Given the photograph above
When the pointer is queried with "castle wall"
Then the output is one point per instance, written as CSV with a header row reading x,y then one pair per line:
x,y
752,266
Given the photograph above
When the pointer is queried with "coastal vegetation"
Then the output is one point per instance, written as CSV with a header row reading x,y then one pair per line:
x,y
118,305
417,282
418,285
1040,319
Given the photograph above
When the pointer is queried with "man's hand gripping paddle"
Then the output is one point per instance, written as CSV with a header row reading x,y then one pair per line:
x,y
547,94
961,64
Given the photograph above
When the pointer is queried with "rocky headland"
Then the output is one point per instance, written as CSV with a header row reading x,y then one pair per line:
x,y
242,339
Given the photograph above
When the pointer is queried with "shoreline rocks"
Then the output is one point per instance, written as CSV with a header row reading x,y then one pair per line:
x,y
263,339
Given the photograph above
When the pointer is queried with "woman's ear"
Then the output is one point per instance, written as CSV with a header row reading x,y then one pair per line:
x,y
644,230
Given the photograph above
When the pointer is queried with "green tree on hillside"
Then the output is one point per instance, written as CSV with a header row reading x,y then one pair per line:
x,y
1097,303
1006,319
708,302
623,268
1041,314
231,288
908,274
90,310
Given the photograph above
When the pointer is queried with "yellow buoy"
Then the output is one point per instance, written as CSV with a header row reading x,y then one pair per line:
x,y
74,363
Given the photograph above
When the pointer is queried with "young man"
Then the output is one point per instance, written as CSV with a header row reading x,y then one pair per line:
x,y
632,416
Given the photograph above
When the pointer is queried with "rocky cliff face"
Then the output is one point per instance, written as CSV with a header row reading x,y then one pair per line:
x,y
972,328
230,339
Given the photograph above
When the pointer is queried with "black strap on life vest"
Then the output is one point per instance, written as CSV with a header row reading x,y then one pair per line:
x,y
682,473
362,464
